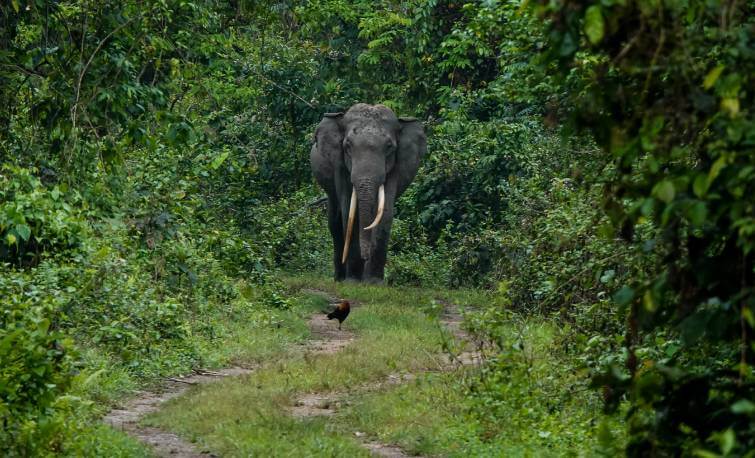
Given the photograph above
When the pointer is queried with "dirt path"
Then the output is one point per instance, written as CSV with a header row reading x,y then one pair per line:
x,y
326,339
330,340
451,319
164,443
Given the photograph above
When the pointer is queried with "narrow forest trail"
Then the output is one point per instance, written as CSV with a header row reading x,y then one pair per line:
x,y
128,417
151,416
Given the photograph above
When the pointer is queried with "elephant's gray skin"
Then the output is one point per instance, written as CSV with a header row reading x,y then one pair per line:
x,y
360,150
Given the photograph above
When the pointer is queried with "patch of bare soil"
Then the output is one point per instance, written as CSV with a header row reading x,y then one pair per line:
x,y
473,349
388,451
127,418
326,337
315,404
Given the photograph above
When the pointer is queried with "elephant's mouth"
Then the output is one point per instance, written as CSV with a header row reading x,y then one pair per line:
x,y
352,215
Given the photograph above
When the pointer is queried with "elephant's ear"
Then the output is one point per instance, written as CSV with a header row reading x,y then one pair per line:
x,y
330,123
412,146
329,136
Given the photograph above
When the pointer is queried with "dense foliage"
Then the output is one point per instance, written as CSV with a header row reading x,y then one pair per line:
x,y
667,92
589,162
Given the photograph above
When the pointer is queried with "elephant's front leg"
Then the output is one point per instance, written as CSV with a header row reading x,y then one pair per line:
x,y
374,269
336,231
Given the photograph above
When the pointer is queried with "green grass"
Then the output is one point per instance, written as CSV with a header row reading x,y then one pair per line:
x,y
99,440
538,407
248,415
534,405
245,333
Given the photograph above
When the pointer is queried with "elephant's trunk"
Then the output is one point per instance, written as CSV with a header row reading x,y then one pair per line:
x,y
367,200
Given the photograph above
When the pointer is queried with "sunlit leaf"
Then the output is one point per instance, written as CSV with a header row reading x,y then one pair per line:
x,y
700,185
218,160
594,25
730,105
712,76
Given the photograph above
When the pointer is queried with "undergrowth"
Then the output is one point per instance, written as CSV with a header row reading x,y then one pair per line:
x,y
437,413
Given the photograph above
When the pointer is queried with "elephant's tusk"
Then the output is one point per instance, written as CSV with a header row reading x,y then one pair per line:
x,y
381,207
350,224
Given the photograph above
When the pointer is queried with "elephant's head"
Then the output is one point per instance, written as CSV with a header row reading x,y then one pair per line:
x,y
380,154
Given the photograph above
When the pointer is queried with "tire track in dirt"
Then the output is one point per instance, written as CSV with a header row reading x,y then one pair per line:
x,y
127,418
332,341
326,339
165,443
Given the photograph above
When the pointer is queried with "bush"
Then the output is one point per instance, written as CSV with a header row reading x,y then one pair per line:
x,y
412,260
36,366
35,221
678,126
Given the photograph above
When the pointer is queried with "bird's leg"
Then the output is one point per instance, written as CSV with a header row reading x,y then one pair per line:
x,y
339,325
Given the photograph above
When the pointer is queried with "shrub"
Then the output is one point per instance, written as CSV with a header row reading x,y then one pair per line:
x,y
35,221
36,364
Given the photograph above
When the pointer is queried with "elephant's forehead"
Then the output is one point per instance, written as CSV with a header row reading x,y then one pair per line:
x,y
370,114
368,130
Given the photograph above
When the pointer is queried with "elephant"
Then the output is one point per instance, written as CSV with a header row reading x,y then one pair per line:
x,y
364,159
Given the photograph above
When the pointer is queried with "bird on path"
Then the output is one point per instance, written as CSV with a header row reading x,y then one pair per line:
x,y
340,312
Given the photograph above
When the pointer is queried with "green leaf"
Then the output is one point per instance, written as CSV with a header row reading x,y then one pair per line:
x,y
568,45
594,24
665,191
218,161
743,406
697,212
748,316
14,3
10,238
624,296
712,76
92,377
727,441
716,168
700,185
648,301
693,327
730,105
23,231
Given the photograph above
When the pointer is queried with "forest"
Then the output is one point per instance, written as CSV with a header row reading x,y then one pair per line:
x,y
571,272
